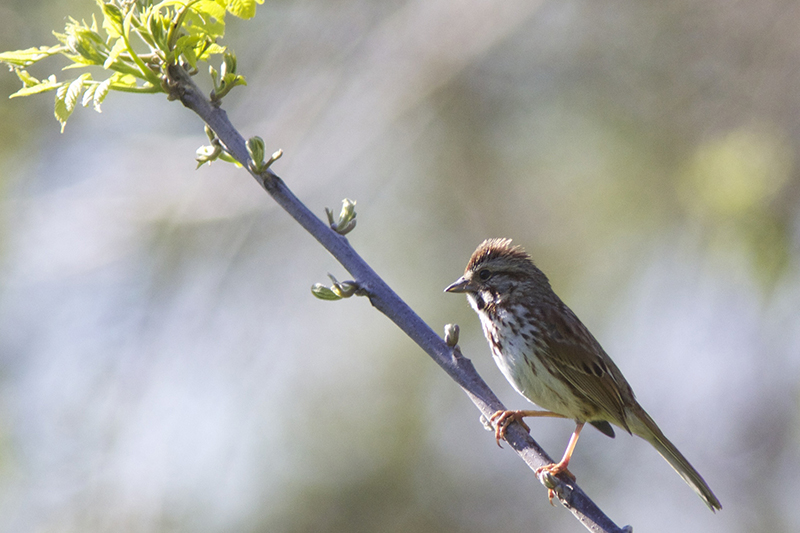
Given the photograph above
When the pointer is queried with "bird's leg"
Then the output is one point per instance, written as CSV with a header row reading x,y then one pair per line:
x,y
561,467
502,419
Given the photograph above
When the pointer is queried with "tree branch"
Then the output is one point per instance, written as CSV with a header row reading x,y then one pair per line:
x,y
389,303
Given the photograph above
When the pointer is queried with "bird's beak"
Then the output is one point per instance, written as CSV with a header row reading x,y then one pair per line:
x,y
462,284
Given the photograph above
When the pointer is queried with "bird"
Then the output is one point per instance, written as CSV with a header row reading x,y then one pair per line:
x,y
552,359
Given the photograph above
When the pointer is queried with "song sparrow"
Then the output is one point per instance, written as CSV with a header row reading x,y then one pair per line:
x,y
551,359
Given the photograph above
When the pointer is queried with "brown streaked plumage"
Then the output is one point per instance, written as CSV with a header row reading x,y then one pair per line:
x,y
552,359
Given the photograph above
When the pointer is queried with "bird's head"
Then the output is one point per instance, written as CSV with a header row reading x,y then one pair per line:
x,y
497,269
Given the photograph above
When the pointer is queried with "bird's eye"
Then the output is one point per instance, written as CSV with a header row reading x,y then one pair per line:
x,y
485,274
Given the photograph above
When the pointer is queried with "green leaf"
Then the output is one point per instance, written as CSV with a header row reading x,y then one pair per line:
x,y
113,54
188,52
232,80
159,27
126,23
74,91
210,9
186,42
244,9
204,25
85,42
119,80
225,156
26,79
112,19
29,56
62,111
212,49
101,92
162,31
88,96
48,85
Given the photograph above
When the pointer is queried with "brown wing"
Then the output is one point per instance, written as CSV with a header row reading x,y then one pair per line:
x,y
577,356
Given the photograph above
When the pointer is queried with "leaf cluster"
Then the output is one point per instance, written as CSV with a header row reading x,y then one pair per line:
x,y
137,41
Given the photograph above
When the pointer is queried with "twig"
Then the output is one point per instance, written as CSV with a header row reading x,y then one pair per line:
x,y
388,302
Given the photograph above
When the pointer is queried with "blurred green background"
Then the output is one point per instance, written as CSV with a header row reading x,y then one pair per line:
x,y
164,367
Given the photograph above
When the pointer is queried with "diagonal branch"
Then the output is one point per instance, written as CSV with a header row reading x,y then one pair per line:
x,y
383,298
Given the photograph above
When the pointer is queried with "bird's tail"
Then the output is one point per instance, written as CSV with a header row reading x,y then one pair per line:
x,y
645,427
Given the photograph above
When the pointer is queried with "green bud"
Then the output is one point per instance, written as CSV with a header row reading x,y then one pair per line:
x,y
255,149
228,158
347,217
229,62
207,154
451,335
347,228
88,44
324,293
337,290
157,30
348,211
274,157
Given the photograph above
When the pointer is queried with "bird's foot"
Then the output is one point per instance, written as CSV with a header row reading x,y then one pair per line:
x,y
555,469
551,471
502,419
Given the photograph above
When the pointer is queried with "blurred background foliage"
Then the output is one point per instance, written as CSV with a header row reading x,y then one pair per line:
x,y
164,367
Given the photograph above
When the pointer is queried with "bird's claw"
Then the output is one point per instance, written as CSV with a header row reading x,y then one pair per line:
x,y
502,419
547,476
555,469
